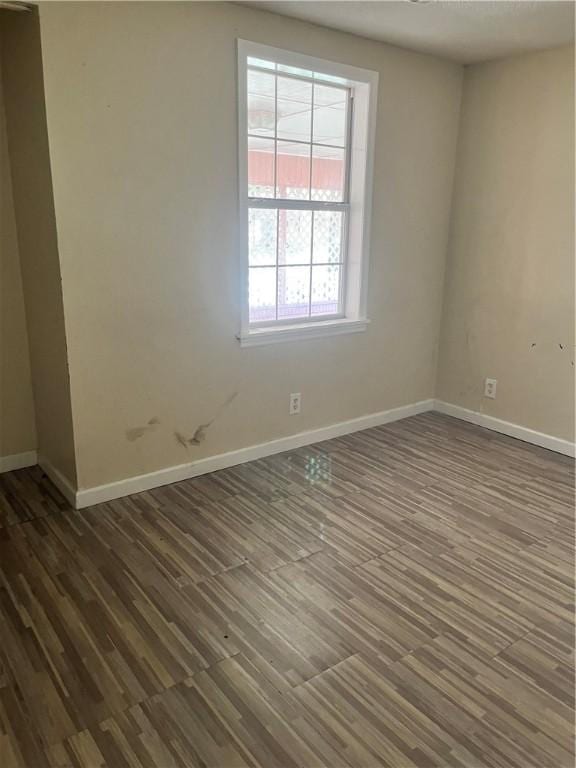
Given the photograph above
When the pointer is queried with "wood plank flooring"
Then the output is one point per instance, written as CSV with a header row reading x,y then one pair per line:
x,y
402,597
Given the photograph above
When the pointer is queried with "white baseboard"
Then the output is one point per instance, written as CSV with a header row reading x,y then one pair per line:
x,y
18,461
88,496
62,483
507,428
85,497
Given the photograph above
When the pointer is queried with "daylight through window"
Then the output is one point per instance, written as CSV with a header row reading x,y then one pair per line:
x,y
298,130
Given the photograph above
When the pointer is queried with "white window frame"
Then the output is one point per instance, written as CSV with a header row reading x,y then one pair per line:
x,y
363,85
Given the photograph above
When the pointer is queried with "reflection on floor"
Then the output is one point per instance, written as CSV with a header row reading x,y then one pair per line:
x,y
398,597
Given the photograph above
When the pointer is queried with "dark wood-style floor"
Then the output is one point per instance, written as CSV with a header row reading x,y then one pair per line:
x,y
398,597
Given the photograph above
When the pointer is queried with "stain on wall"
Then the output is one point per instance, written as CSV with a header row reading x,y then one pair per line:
x,y
135,433
200,432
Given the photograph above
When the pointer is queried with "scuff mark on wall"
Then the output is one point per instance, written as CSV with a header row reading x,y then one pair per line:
x,y
566,347
135,433
200,432
181,439
200,435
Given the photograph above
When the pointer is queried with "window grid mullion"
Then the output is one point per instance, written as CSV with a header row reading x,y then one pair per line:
x,y
299,141
302,205
306,264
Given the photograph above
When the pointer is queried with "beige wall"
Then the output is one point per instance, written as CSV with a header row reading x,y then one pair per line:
x,y
144,179
32,190
144,159
509,296
17,425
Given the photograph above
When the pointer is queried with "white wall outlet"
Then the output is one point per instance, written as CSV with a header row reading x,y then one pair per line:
x,y
295,403
490,388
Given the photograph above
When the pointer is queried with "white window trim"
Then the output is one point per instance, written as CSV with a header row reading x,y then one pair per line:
x,y
365,84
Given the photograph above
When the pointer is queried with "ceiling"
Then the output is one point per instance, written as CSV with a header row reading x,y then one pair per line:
x,y
466,31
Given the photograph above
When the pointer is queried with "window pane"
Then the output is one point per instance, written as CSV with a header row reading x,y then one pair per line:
x,y
294,109
293,292
327,237
293,171
330,115
261,114
325,290
261,236
294,237
327,174
260,167
262,293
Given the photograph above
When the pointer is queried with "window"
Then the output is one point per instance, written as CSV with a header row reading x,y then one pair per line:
x,y
306,130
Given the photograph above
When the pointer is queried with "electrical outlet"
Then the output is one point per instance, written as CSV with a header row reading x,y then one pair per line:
x,y
295,403
490,388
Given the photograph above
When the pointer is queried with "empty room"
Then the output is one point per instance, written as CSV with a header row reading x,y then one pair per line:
x,y
287,384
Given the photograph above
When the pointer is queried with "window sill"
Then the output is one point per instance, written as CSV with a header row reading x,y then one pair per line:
x,y
316,330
